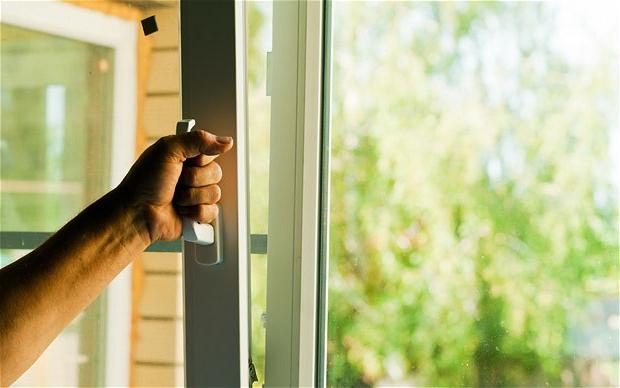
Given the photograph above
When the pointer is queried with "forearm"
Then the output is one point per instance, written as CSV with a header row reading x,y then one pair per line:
x,y
42,292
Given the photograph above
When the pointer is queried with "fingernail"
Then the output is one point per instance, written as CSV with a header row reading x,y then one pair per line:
x,y
223,139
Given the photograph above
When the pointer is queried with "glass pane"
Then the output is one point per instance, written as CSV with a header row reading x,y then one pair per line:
x,y
259,33
55,141
474,194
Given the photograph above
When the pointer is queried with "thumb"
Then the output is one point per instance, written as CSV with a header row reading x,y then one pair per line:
x,y
188,145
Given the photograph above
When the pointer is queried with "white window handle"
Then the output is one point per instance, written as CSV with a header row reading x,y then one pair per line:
x,y
193,231
202,234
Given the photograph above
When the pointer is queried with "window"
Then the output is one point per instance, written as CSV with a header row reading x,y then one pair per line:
x,y
421,193
66,110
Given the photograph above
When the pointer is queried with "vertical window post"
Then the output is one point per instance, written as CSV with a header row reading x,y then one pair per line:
x,y
213,93
294,187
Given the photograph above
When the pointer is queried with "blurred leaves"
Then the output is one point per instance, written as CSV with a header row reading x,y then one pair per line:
x,y
472,199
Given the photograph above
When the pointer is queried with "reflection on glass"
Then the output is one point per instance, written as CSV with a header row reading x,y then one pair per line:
x,y
474,204
55,133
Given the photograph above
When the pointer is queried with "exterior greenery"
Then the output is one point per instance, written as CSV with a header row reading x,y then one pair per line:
x,y
473,212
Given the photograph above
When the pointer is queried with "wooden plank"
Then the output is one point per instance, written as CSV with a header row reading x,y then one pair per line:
x,y
162,262
162,296
161,114
109,8
164,72
167,18
144,66
158,376
159,341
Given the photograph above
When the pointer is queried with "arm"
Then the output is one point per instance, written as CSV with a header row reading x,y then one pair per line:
x,y
43,291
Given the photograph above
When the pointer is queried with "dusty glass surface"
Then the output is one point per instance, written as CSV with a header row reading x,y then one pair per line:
x,y
474,194
55,143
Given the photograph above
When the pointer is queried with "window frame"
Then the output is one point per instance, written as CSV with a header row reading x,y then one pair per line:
x,y
295,216
120,35
216,298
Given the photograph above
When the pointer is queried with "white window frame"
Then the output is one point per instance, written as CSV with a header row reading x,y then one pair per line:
x,y
295,187
77,23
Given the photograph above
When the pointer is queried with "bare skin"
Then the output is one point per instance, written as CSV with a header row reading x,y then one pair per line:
x,y
44,291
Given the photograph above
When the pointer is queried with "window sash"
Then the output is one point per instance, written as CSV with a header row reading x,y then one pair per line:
x,y
216,308
294,187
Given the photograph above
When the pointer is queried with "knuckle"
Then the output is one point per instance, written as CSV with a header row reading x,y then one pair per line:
x,y
204,136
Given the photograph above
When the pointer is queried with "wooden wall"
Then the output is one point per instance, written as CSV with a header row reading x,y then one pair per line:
x,y
157,357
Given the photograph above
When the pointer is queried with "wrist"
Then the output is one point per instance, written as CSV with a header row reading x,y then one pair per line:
x,y
134,217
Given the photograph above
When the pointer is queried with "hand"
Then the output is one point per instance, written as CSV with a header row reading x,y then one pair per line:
x,y
175,177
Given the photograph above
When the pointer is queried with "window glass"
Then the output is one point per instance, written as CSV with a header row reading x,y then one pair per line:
x,y
259,33
474,194
55,142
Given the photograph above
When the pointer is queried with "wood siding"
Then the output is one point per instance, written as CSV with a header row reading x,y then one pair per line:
x,y
158,349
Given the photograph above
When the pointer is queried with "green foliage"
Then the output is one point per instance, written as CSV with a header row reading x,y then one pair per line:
x,y
258,22
473,212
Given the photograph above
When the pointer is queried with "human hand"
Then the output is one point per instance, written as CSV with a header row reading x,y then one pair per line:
x,y
175,177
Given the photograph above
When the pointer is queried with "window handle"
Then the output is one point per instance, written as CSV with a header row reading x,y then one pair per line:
x,y
202,234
